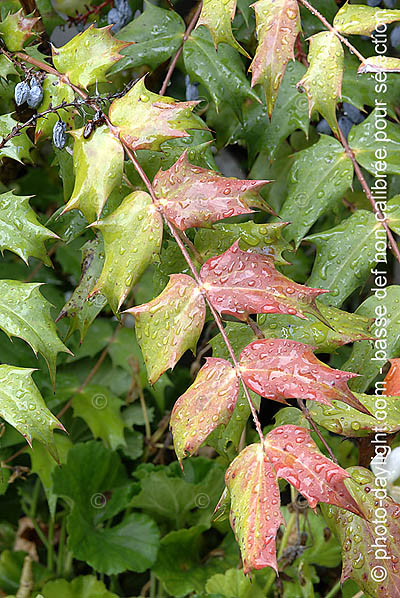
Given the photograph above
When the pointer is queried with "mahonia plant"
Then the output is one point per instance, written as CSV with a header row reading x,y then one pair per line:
x,y
249,216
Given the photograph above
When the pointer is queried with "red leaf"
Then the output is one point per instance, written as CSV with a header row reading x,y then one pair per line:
x,y
194,196
255,507
296,458
392,379
239,283
280,369
207,403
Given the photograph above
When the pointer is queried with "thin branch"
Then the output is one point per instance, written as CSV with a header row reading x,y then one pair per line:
x,y
307,415
94,10
345,41
381,217
175,59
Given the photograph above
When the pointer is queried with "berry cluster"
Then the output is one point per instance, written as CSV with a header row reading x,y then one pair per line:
x,y
120,15
31,93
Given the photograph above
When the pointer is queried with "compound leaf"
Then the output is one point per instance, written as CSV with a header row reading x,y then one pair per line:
x,y
277,27
98,165
145,119
87,57
20,230
191,196
132,238
355,19
323,79
207,403
25,313
217,16
240,283
279,369
170,324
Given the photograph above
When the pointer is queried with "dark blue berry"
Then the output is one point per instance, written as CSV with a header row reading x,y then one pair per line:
x,y
21,93
192,92
373,2
35,96
323,128
395,36
389,3
59,134
345,125
353,113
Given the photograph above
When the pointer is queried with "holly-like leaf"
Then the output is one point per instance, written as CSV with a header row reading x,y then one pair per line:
x,y
376,64
132,238
98,165
25,313
18,148
20,230
22,406
6,67
347,421
87,57
313,192
255,507
155,36
170,324
376,576
392,378
239,283
277,27
145,119
355,19
220,71
345,255
280,369
54,93
207,403
15,29
369,357
78,309
323,79
217,16
191,196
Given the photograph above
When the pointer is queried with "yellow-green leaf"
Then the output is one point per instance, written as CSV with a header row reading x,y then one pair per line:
x,y
278,24
98,164
146,119
54,93
87,57
323,79
18,148
374,64
356,19
217,16
16,29
132,239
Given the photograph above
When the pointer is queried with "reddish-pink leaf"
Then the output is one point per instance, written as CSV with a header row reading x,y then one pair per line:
x,y
194,196
296,458
255,514
207,403
392,379
280,369
239,283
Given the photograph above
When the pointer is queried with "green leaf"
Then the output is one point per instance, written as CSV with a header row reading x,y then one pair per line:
x,y
355,19
43,465
365,140
233,584
277,27
346,421
98,165
19,147
377,64
84,66
6,67
54,93
22,406
262,238
221,71
170,324
15,29
125,261
217,16
313,192
25,313
95,483
80,311
155,35
323,79
81,587
393,213
20,230
145,119
369,357
101,410
345,256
